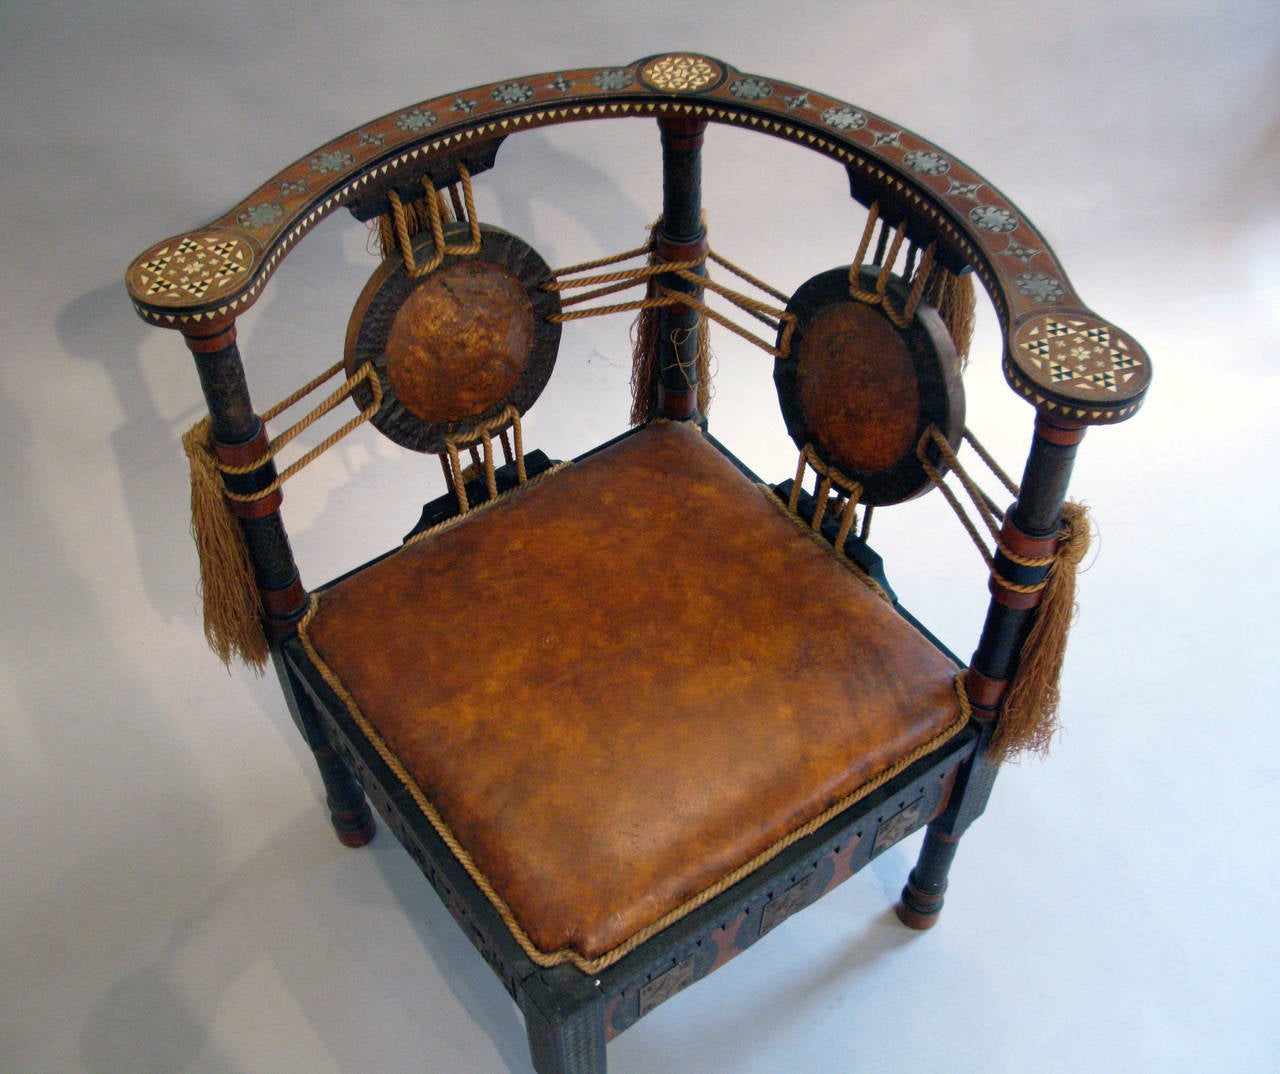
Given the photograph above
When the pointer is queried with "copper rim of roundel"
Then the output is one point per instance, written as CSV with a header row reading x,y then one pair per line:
x,y
861,391
456,346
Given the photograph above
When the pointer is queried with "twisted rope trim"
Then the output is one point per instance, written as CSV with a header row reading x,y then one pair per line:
x,y
464,858
366,374
404,233
481,434
848,497
989,513
449,523
609,283
886,255
816,537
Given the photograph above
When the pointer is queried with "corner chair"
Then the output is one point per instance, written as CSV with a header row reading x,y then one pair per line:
x,y
629,712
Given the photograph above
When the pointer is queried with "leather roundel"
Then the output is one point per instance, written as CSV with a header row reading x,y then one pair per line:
x,y
862,391
457,345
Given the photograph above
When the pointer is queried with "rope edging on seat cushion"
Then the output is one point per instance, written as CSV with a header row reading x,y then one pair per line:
x,y
458,519
464,858
823,543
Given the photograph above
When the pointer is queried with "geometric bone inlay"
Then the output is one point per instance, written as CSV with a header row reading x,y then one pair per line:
x,y
188,276
681,72
1080,356
203,265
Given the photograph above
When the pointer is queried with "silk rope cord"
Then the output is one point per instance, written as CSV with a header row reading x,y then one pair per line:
x,y
919,272
481,436
366,374
1028,718
383,241
232,606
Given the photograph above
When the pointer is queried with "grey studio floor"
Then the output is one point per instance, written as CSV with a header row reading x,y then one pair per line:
x,y
171,898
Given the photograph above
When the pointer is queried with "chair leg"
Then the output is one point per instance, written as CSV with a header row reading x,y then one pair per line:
x,y
564,1020
923,895
568,1048
352,819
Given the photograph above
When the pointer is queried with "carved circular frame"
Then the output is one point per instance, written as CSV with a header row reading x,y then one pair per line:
x,y
383,314
861,391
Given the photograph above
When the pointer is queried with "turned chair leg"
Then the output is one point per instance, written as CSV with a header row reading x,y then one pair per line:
x,y
352,819
923,895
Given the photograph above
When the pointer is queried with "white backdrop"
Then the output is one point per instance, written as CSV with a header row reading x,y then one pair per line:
x,y
170,896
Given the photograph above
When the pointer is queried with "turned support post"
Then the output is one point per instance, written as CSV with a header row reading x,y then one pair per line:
x,y
680,236
922,897
1031,530
240,439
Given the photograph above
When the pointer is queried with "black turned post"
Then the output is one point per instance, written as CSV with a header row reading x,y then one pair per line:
x,y
922,897
239,439
349,812
1030,530
680,237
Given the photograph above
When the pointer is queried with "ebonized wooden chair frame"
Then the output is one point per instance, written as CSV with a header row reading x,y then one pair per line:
x,y
569,1014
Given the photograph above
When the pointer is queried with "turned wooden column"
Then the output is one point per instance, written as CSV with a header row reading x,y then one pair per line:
x,y
1030,530
239,439
680,237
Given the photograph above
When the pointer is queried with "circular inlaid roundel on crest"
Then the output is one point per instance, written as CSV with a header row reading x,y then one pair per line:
x,y
862,391
201,266
681,72
1077,363
456,346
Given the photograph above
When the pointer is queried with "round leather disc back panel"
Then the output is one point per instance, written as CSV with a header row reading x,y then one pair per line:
x,y
458,344
862,391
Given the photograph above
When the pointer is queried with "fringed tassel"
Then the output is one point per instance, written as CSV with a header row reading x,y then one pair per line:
x,y
705,357
955,300
644,349
1029,716
644,352
232,607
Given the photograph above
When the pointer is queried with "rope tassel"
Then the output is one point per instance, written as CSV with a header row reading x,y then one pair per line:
x,y
644,349
232,608
229,591
1029,716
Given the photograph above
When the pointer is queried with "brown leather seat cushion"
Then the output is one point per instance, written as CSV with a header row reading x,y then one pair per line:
x,y
618,686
